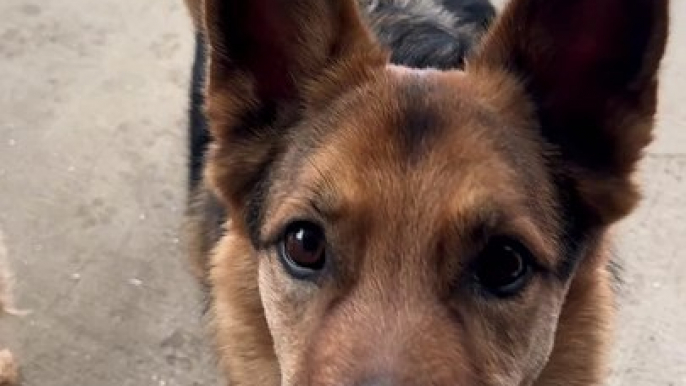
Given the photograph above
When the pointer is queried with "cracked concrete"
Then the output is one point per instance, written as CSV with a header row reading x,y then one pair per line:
x,y
92,124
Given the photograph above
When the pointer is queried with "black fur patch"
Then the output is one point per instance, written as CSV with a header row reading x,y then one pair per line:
x,y
423,44
478,12
421,40
255,209
420,121
579,229
199,136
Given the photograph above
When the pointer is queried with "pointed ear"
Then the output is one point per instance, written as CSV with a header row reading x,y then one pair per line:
x,y
266,51
268,60
590,67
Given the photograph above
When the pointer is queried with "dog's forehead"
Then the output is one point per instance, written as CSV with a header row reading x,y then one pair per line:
x,y
415,133
414,112
419,121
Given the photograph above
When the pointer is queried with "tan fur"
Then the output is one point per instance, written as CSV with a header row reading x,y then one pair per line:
x,y
245,350
404,167
586,326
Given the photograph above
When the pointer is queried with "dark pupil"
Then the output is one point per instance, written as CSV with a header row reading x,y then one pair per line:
x,y
501,266
305,246
308,239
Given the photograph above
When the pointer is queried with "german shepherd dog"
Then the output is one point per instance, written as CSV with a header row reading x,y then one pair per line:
x,y
384,196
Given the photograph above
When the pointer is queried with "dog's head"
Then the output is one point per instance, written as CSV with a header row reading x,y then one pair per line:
x,y
423,227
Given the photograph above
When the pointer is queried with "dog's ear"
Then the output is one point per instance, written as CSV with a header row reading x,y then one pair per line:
x,y
270,60
590,66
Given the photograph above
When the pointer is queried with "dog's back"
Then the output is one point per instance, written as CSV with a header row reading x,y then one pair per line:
x,y
428,33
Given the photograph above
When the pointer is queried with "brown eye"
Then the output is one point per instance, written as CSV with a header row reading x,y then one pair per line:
x,y
503,267
303,249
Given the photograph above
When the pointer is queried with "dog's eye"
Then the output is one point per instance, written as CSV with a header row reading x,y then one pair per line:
x,y
303,249
503,267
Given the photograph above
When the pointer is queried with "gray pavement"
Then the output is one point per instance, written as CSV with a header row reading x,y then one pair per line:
x,y
92,144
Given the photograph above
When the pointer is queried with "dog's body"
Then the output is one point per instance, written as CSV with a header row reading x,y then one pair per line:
x,y
413,223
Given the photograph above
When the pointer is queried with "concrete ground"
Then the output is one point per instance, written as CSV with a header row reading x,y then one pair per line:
x,y
92,131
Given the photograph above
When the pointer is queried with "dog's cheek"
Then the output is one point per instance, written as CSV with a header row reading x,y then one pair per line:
x,y
541,348
290,311
511,342
543,325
